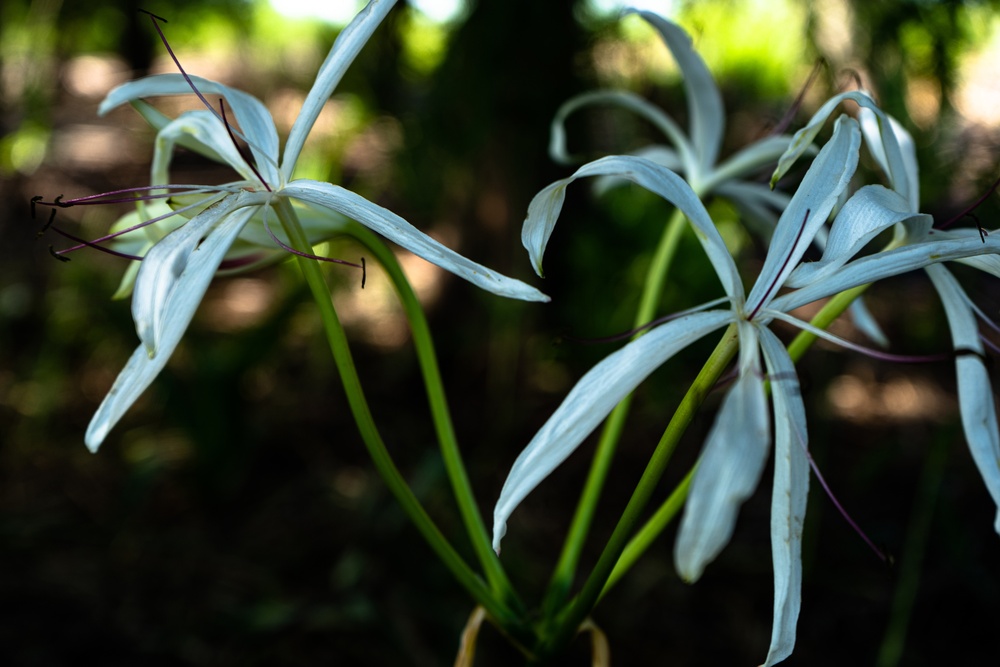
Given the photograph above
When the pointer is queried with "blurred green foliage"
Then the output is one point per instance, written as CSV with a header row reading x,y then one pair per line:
x,y
233,519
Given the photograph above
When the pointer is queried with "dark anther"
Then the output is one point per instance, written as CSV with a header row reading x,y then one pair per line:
x,y
364,273
158,18
52,216
35,200
58,202
61,258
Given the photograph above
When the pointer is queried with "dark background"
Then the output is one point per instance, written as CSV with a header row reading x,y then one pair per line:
x,y
233,518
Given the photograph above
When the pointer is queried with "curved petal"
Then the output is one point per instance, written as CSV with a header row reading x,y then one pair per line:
x,y
627,100
895,163
827,177
870,211
204,129
886,264
159,120
729,468
255,123
661,155
788,495
975,393
759,205
590,401
177,310
172,263
871,128
399,231
543,211
705,110
866,323
345,49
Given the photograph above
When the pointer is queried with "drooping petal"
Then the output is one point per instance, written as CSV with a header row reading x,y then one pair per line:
x,y
729,468
869,212
788,495
543,211
252,118
166,273
402,233
866,323
345,49
975,392
895,164
759,205
203,128
627,100
590,401
705,110
177,309
827,177
661,155
887,264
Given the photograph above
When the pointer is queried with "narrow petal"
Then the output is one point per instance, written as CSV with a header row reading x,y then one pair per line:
x,y
871,128
759,206
827,177
788,495
345,49
975,392
252,117
886,264
169,267
729,468
748,161
204,129
177,310
661,155
705,110
866,323
543,211
159,120
803,139
399,231
869,212
627,100
590,401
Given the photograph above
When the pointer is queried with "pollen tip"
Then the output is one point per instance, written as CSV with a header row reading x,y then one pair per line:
x,y
54,253
364,273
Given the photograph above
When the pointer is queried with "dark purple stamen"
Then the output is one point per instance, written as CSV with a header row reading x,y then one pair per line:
x,y
88,244
45,228
307,255
774,285
968,211
789,116
112,198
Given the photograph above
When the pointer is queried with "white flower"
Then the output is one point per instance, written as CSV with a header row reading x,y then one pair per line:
x,y
874,209
177,269
736,448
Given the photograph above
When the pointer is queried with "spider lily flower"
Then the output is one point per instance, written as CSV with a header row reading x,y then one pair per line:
x,y
874,209
695,155
178,267
736,448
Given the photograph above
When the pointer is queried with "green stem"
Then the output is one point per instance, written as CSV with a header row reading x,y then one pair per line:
x,y
337,340
568,621
441,415
565,570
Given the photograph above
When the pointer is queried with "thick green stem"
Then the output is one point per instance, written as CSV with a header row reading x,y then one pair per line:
x,y
568,621
337,340
562,577
441,415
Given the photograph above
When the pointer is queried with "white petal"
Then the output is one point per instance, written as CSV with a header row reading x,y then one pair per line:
x,y
886,264
252,118
748,161
159,120
975,392
543,211
705,110
590,401
897,170
170,265
399,231
866,323
788,496
729,468
177,310
627,100
870,211
205,129
661,155
871,128
827,177
759,205
345,49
